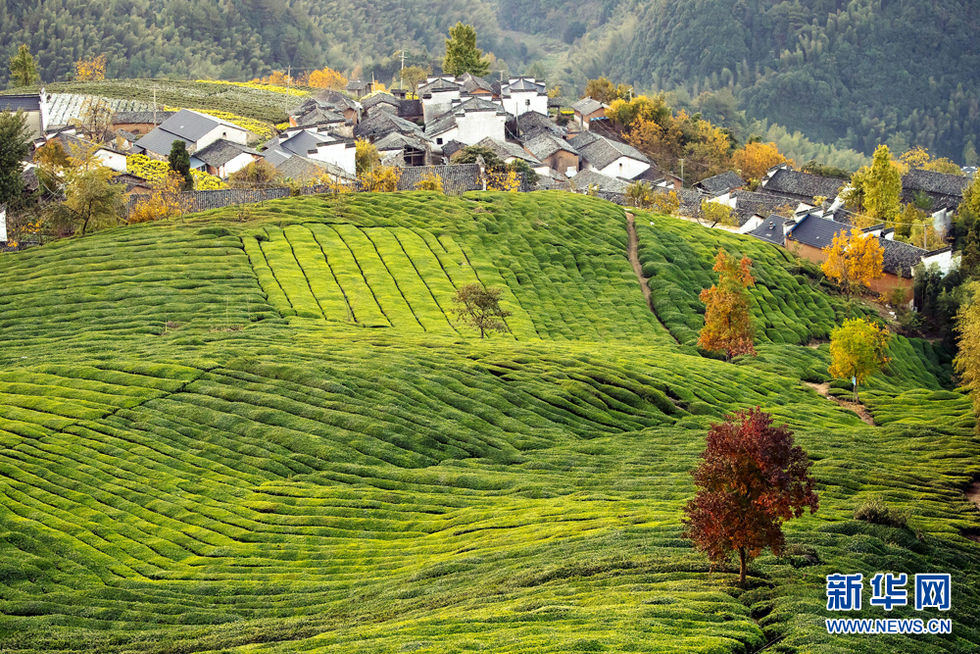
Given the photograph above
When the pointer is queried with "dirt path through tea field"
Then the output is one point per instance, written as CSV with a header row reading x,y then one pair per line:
x,y
856,407
632,250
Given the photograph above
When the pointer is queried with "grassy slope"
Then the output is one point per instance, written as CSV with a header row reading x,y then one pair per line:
x,y
213,437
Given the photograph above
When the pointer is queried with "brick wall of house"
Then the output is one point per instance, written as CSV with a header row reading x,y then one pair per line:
x,y
561,161
881,286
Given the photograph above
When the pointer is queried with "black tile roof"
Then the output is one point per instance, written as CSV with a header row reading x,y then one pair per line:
x,y
771,230
26,103
146,117
933,182
587,178
817,232
587,105
900,257
380,98
531,123
381,124
748,204
720,184
158,142
546,144
337,100
601,151
944,190
801,186
473,84
221,152
505,150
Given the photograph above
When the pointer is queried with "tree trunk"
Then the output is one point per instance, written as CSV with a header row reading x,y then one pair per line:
x,y
742,566
856,394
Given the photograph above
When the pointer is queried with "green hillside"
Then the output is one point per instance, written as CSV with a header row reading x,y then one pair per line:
x,y
270,436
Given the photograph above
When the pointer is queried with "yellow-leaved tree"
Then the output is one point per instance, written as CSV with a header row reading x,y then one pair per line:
x,y
91,69
381,179
756,158
430,181
667,203
326,78
853,259
967,362
858,349
166,200
716,213
503,180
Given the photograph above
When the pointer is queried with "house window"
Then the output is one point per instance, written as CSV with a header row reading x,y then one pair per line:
x,y
438,141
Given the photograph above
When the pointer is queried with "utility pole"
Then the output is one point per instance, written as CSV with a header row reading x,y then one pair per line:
x,y
682,173
154,105
402,81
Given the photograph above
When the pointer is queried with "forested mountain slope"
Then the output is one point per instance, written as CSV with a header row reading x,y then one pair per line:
x,y
860,70
855,72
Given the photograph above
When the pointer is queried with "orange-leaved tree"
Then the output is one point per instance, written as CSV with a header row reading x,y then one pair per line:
x,y
757,158
858,350
751,480
853,258
727,324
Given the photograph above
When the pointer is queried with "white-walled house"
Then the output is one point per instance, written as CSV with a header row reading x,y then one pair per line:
x,y
609,157
523,94
34,106
195,129
438,95
469,123
224,158
328,148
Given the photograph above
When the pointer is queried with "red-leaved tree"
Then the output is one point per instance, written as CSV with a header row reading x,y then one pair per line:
x,y
727,325
752,479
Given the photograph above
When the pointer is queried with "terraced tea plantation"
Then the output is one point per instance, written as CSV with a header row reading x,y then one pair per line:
x,y
273,436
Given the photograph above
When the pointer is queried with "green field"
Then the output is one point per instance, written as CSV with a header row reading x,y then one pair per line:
x,y
273,436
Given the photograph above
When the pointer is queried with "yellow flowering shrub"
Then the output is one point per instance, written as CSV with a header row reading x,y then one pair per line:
x,y
156,171
262,87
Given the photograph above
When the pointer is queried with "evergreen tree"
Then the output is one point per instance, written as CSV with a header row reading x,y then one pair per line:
x,y
180,163
462,55
882,187
15,147
23,70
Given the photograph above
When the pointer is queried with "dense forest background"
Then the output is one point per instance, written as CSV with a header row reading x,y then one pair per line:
x,y
849,73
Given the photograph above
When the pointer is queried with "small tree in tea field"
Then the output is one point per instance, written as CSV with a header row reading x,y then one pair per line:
x,y
430,181
164,201
751,479
381,179
853,259
727,325
479,307
857,350
716,213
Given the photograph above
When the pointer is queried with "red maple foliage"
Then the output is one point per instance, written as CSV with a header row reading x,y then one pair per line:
x,y
727,324
752,479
